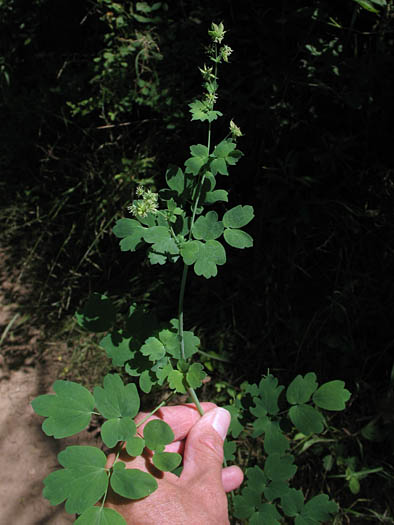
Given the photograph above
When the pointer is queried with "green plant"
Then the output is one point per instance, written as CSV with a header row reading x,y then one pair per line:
x,y
176,227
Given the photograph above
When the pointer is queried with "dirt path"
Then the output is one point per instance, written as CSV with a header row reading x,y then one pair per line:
x,y
27,454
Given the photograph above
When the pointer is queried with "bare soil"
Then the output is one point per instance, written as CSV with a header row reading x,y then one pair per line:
x,y
27,454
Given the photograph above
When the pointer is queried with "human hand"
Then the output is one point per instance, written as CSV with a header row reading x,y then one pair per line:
x,y
198,496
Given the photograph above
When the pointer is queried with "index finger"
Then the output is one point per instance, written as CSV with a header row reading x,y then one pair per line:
x,y
181,418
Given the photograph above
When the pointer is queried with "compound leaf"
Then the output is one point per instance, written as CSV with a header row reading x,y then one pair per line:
x,y
68,411
306,419
238,238
97,315
116,399
195,375
301,388
208,227
157,433
100,516
332,395
166,461
238,216
82,482
132,483
117,429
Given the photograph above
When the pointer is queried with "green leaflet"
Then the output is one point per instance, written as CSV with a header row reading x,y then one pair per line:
x,y
117,347
279,468
115,399
135,446
205,256
166,461
157,433
117,429
306,419
131,232
82,482
238,217
132,483
68,411
207,227
153,348
238,238
97,315
200,112
198,159
301,389
100,516
175,179
224,155
332,395
195,375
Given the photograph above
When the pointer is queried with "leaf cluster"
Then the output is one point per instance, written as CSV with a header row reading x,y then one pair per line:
x,y
85,477
268,495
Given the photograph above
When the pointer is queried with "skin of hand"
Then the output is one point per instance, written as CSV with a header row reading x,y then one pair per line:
x,y
198,496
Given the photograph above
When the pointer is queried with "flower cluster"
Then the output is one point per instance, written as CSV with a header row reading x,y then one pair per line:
x,y
148,203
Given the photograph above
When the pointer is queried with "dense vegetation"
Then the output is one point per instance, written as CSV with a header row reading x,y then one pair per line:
x,y
94,100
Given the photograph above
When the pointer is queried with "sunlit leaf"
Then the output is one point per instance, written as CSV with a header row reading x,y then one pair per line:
x,y
132,483
238,216
115,399
157,433
68,411
100,516
166,461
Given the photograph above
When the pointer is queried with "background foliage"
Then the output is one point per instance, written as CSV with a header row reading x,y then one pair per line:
x,y
92,98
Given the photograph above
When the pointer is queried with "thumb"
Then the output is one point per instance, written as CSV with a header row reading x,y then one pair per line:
x,y
203,455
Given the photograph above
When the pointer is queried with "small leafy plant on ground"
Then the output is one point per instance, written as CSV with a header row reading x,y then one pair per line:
x,y
179,226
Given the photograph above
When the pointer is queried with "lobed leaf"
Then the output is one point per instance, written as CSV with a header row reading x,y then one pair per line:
x,y
175,179
306,419
332,395
82,482
156,234
135,446
132,483
68,411
279,468
210,255
176,381
269,393
195,375
207,227
238,216
117,347
145,381
117,429
153,348
131,233
274,440
116,399
97,315
301,389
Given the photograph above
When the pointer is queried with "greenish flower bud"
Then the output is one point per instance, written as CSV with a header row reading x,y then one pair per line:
x,y
225,52
235,130
217,33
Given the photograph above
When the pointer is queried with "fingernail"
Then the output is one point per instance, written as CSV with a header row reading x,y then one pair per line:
x,y
220,419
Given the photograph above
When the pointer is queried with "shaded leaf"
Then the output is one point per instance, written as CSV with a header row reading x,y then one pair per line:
x,y
238,216
332,395
117,429
238,238
306,419
301,388
279,468
195,375
97,315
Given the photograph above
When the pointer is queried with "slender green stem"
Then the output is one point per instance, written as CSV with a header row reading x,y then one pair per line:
x,y
155,410
180,310
195,400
